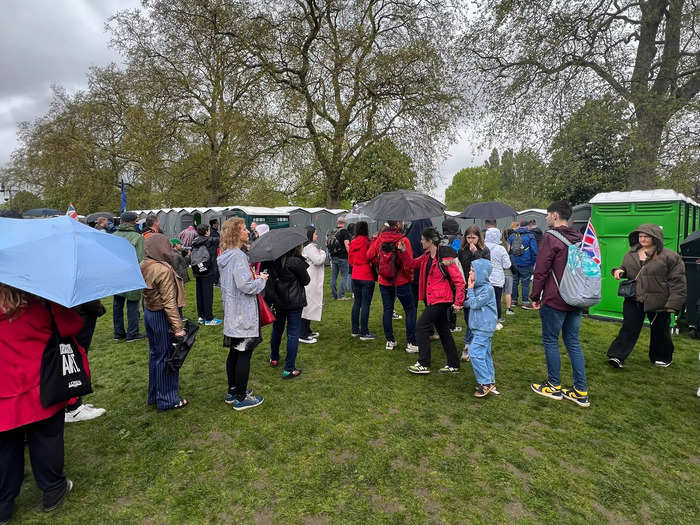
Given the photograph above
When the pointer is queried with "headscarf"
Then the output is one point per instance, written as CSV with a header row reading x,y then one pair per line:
x,y
262,229
157,247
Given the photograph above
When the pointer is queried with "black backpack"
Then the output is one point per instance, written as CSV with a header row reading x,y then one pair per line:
x,y
517,247
335,247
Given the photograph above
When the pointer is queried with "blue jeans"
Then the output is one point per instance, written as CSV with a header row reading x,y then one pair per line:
x,y
523,278
468,334
363,290
132,317
480,355
405,295
293,320
339,265
568,323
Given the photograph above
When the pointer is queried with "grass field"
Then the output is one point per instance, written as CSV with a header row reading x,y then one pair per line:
x,y
357,439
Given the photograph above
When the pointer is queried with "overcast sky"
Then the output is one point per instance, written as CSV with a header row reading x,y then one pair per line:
x,y
55,42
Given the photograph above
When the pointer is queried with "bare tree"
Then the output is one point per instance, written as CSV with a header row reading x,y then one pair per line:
x,y
542,58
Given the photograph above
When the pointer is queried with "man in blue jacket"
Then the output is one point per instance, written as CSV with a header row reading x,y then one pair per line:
x,y
523,248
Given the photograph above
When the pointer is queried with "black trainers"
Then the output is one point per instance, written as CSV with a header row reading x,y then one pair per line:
x,y
368,337
615,362
54,505
137,337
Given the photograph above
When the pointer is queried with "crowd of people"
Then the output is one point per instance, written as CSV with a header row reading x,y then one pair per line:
x,y
447,271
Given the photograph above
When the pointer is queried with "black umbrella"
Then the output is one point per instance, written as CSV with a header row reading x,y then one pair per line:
x,y
181,346
487,210
94,216
403,205
276,243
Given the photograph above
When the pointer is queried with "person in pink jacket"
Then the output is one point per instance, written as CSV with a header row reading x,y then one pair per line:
x,y
441,285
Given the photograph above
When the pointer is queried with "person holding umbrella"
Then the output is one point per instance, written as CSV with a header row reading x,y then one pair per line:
x,y
239,290
162,298
26,327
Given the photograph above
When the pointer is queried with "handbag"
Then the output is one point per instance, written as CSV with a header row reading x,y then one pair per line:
x,y
264,312
65,372
180,346
627,289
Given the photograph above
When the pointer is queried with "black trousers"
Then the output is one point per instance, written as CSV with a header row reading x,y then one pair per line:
x,y
205,297
305,328
435,315
45,439
238,365
660,343
498,290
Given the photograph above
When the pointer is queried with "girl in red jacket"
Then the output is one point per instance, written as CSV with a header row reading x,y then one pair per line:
x,y
25,330
441,285
362,282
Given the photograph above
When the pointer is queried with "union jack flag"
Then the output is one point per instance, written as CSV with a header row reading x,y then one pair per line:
x,y
71,212
590,243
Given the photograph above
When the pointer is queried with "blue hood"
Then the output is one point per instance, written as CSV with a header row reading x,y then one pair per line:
x,y
482,271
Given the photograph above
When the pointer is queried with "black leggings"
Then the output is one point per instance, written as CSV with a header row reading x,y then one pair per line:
x,y
238,365
499,294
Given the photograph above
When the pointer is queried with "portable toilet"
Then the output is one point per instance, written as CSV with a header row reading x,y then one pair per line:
x,y
580,217
533,213
616,214
260,215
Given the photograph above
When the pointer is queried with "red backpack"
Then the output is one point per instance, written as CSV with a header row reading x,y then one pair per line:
x,y
388,264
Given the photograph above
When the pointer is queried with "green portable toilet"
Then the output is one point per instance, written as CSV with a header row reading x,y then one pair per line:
x,y
614,215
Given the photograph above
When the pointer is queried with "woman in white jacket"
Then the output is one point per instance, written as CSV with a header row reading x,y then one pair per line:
x,y
499,261
315,257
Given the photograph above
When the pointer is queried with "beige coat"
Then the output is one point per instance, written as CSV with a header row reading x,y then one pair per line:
x,y
315,258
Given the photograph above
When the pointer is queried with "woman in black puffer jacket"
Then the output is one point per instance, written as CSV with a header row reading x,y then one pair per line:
x,y
285,293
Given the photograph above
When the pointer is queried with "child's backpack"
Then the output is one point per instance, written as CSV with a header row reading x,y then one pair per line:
x,y
517,247
580,284
388,261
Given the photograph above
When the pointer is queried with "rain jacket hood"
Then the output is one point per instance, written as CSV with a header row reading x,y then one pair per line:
x,y
493,236
653,231
482,271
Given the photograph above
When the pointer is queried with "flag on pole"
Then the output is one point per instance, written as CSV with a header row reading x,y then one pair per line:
x,y
71,211
122,208
590,243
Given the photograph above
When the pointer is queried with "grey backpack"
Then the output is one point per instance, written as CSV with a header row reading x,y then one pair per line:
x,y
580,284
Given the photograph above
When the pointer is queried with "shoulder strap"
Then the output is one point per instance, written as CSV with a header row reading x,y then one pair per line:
x,y
559,236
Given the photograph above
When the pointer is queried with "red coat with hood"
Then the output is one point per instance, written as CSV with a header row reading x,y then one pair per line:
x,y
405,258
22,341
552,255
436,289
357,258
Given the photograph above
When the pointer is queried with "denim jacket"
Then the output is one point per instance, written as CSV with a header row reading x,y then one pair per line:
x,y
481,300
238,294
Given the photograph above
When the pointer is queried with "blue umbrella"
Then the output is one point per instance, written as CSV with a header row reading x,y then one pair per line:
x,y
65,261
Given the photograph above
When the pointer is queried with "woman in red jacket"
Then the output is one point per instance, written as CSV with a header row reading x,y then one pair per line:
x,y
441,285
362,282
25,330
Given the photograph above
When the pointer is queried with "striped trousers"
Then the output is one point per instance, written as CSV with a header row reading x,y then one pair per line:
x,y
163,383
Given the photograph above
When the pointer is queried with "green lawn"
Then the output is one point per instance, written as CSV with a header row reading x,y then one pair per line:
x,y
357,439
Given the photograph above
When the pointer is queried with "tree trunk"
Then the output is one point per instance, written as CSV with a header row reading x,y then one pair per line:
x,y
213,179
646,142
333,184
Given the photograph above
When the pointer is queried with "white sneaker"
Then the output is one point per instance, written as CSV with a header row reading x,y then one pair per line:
x,y
396,316
83,413
308,340
662,364
390,345
510,312
411,349
499,326
456,329
698,394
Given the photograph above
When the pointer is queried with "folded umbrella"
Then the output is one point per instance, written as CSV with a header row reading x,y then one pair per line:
x,y
181,346
65,261
488,210
402,205
276,243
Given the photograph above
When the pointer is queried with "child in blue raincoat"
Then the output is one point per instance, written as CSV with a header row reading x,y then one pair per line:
x,y
483,316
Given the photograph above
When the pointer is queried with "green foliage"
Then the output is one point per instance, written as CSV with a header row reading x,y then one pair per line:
x,y
471,185
591,153
356,439
23,201
379,168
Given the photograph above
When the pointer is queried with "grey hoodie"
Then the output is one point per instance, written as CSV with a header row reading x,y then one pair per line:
x,y
238,294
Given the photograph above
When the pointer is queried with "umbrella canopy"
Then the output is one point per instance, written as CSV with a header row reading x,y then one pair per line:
x,y
488,210
94,216
402,205
65,261
276,243
42,212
